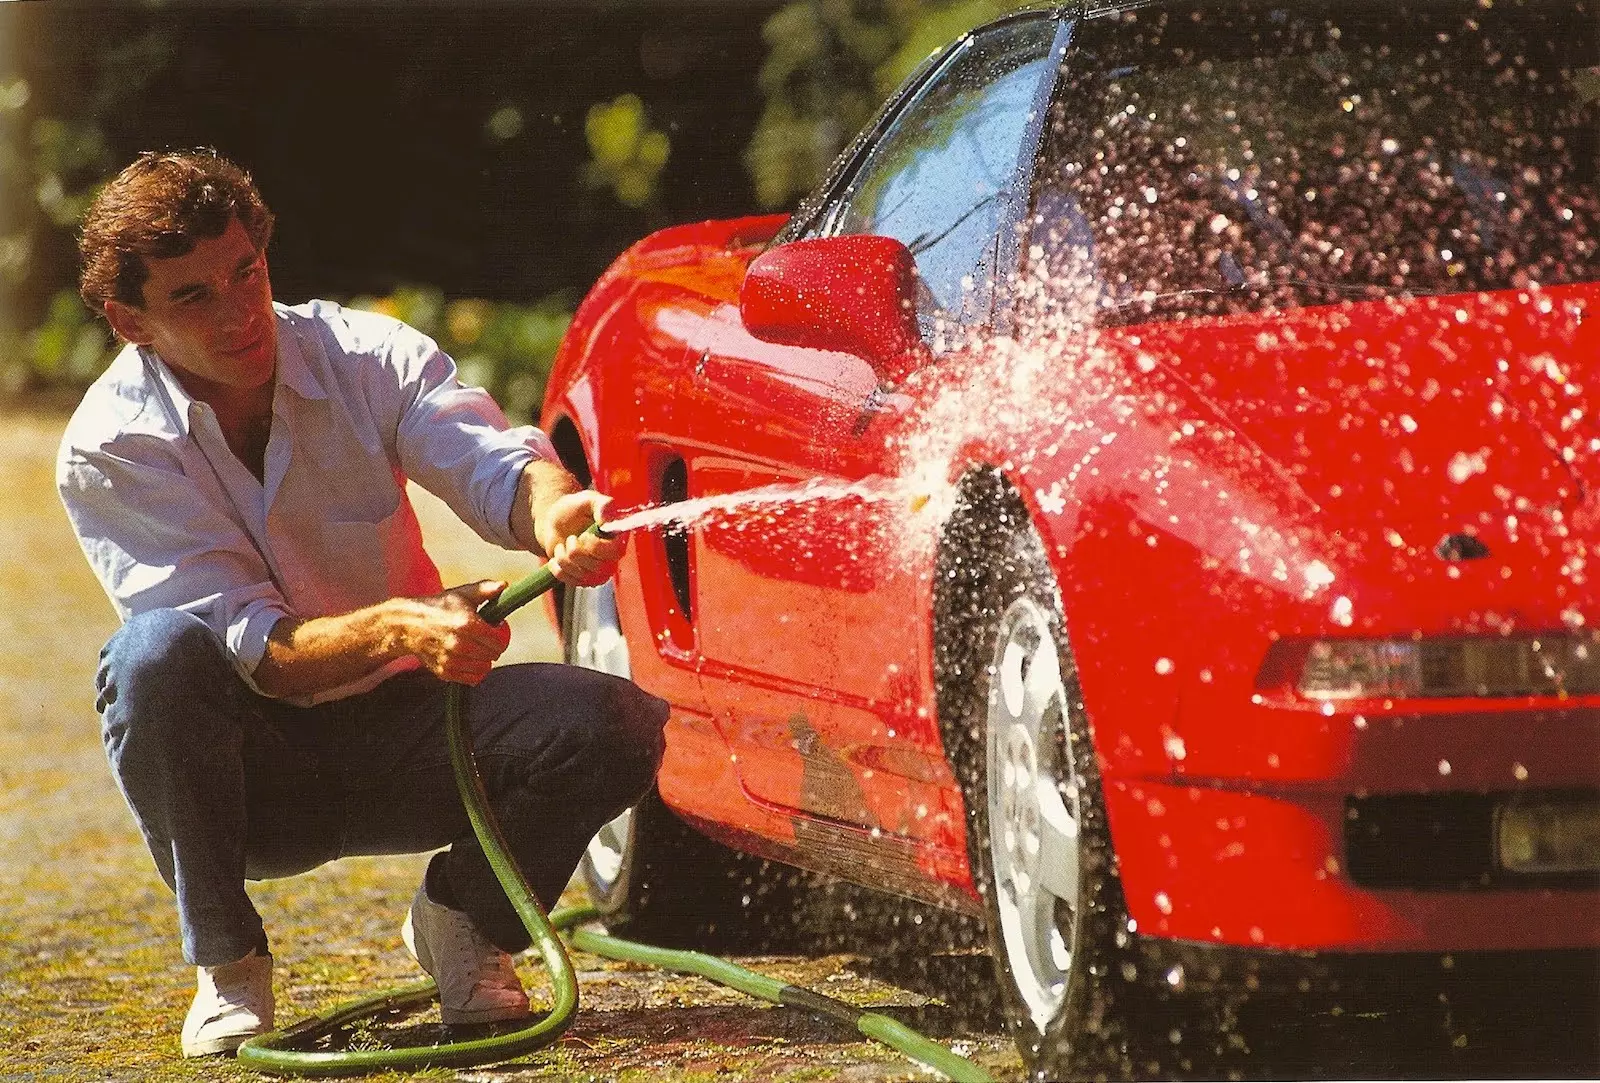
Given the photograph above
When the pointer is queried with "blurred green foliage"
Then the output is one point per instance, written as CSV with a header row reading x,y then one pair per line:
x,y
69,349
502,347
51,165
626,154
830,65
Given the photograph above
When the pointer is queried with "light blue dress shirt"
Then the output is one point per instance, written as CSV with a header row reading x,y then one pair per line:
x,y
170,518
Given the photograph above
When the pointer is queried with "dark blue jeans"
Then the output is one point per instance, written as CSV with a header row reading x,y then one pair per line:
x,y
227,785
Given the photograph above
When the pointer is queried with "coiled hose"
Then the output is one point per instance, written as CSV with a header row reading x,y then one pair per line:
x,y
282,1052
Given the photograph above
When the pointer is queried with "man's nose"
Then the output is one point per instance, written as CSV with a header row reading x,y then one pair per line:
x,y
237,308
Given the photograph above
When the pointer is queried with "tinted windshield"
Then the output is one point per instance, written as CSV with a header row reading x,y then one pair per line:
x,y
1202,163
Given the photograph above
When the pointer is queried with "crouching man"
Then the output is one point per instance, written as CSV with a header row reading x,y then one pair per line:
x,y
275,696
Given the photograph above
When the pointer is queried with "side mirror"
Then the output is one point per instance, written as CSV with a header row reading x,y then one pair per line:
x,y
855,294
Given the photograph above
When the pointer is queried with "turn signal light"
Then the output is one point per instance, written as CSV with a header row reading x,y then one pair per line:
x,y
1553,665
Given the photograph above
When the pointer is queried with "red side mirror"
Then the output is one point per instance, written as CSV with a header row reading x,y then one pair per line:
x,y
856,294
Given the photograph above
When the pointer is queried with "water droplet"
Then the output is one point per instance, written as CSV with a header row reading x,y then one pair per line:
x,y
1464,465
1318,575
1163,666
1444,767
1343,611
1163,903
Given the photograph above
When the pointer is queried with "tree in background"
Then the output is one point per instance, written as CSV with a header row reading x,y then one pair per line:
x,y
626,154
506,348
830,65
503,183
52,161
54,156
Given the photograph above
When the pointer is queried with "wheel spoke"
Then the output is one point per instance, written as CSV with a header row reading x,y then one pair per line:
x,y
1044,681
1058,844
1013,694
1036,916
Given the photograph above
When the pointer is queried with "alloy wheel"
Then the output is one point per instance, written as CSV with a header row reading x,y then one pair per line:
x,y
1033,810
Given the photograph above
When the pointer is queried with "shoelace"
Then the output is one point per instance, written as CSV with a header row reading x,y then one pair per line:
x,y
486,962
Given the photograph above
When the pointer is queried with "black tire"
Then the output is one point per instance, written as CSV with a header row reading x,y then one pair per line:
x,y
992,569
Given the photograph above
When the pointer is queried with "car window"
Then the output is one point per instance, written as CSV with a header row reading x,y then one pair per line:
x,y
1204,162
940,180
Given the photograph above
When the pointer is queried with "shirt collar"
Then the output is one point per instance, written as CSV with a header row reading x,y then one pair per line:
x,y
175,398
292,372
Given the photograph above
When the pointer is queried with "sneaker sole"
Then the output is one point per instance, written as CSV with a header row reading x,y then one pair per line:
x,y
491,1015
222,1043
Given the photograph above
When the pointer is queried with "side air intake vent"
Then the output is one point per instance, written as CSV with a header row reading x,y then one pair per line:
x,y
675,489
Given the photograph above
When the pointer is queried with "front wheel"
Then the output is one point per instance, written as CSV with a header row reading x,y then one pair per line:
x,y
1018,735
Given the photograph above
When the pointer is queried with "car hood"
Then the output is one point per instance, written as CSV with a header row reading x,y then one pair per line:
x,y
1418,418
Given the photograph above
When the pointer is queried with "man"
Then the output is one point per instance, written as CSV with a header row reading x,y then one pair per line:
x,y
274,699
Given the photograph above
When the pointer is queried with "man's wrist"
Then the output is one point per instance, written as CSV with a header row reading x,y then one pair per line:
x,y
541,485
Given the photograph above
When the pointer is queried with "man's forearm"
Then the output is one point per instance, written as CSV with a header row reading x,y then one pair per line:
x,y
304,657
442,631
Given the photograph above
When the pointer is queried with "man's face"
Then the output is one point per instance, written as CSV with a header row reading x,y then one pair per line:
x,y
208,313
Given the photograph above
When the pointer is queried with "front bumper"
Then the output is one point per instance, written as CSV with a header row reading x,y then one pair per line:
x,y
1270,869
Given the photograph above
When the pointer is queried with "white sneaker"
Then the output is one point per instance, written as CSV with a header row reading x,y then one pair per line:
x,y
477,983
231,1003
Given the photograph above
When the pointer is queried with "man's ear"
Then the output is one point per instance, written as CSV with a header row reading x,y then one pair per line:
x,y
129,323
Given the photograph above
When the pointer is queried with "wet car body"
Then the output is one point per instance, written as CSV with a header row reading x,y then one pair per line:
x,y
1320,529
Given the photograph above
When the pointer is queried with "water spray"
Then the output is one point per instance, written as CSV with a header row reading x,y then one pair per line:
x,y
283,1052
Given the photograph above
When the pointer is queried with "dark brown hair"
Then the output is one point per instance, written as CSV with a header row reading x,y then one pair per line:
x,y
158,208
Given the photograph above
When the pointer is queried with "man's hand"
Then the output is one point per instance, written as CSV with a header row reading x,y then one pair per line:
x,y
445,633
583,560
550,516
442,631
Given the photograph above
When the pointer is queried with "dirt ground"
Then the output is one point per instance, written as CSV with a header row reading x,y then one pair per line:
x,y
92,986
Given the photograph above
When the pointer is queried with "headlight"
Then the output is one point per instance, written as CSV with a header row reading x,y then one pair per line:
x,y
1554,665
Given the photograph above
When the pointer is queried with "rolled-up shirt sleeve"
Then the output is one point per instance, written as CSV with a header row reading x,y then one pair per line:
x,y
156,542
454,441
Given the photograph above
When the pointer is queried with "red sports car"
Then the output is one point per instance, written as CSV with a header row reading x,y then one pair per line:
x,y
1183,425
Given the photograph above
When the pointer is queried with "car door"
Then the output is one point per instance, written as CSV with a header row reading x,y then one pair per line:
x,y
809,620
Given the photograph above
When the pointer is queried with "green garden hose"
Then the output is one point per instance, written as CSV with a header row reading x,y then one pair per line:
x,y
277,1052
